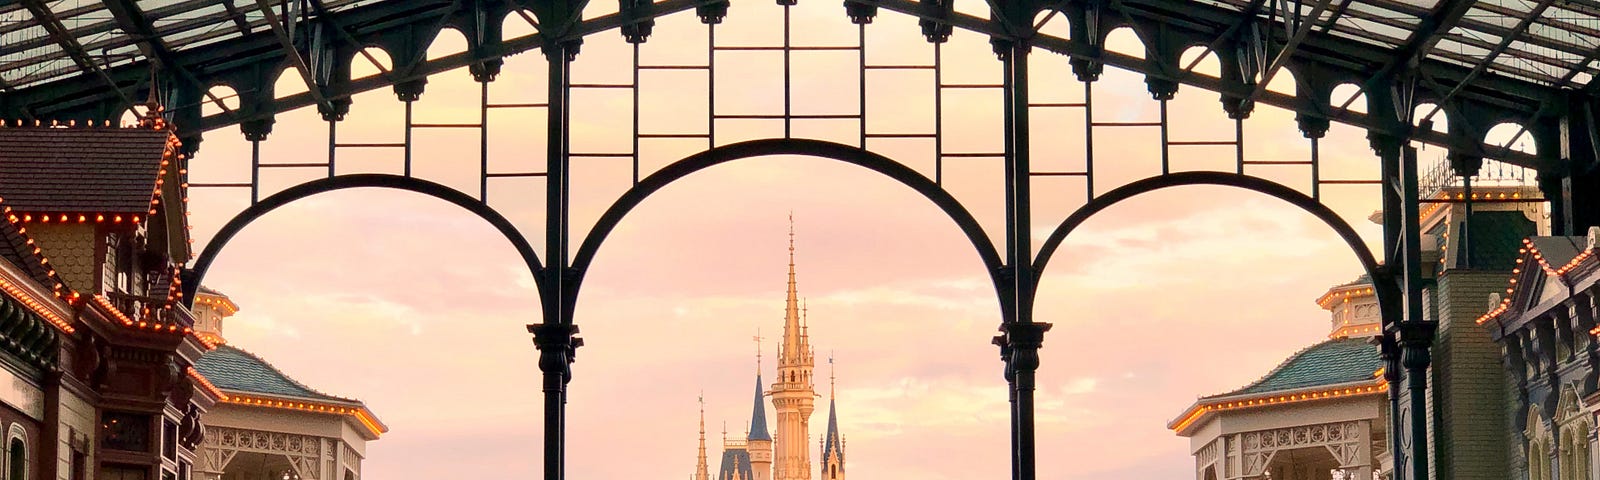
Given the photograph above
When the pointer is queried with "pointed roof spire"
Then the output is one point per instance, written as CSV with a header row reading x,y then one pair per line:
x,y
701,471
758,417
793,346
833,445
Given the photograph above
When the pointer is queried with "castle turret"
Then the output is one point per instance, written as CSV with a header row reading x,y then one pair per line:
x,y
759,442
832,444
792,393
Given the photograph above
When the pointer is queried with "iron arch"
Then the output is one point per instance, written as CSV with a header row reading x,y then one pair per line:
x,y
801,147
363,180
1276,190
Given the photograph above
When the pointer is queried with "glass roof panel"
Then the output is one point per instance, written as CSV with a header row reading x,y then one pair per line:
x,y
1560,43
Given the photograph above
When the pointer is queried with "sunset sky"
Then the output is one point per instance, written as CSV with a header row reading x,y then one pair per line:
x,y
418,307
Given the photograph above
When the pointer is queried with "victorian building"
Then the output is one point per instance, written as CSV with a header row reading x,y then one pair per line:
x,y
1324,413
1544,320
760,455
103,365
268,425
101,345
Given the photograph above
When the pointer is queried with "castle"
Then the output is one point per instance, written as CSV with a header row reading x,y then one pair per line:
x,y
760,455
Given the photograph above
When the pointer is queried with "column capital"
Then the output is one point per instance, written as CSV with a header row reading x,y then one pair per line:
x,y
558,344
1019,345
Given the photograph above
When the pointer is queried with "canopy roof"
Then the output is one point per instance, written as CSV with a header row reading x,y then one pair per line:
x,y
1337,368
232,369
1333,362
1516,55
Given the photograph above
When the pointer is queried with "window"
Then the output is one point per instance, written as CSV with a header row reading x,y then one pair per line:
x,y
125,431
122,472
169,440
17,460
80,466
16,453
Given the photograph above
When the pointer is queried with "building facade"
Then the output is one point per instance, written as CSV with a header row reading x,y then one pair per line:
x,y
1545,322
267,425
1324,413
101,358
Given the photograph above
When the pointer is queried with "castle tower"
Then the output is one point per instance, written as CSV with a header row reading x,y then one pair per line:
x,y
832,445
792,393
759,442
700,467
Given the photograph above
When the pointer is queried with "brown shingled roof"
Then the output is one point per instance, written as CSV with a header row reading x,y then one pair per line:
x,y
80,169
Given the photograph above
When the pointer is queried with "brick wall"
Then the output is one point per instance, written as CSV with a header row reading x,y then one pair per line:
x,y
1470,395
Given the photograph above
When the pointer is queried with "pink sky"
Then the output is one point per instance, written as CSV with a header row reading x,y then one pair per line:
x,y
418,307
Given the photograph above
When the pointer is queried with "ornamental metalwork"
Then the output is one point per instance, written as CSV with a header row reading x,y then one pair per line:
x,y
1410,74
303,452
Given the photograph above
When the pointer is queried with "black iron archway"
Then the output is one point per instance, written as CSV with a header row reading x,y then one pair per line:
x,y
789,146
202,263
1501,64
1389,298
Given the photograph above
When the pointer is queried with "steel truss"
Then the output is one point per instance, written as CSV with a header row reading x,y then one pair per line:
x,y
1254,40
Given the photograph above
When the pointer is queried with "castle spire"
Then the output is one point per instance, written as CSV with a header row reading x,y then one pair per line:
x,y
758,417
832,443
792,344
792,393
700,469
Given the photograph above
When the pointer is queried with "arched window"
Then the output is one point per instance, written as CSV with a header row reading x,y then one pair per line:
x,y
1539,445
17,453
1574,428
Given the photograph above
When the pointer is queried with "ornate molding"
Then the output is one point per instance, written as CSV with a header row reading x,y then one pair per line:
x,y
1252,452
304,452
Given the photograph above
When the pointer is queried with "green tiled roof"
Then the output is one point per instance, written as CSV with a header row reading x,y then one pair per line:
x,y
1332,362
233,369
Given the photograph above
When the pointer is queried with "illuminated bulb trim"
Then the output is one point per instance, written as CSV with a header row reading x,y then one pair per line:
x,y
38,307
358,412
1529,249
1201,409
206,384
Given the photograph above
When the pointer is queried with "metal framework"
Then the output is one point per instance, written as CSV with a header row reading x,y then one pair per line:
x,y
1481,62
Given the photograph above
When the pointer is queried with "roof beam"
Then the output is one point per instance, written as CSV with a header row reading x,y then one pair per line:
x,y
279,28
48,20
1482,66
237,16
1301,30
1430,29
133,21
333,21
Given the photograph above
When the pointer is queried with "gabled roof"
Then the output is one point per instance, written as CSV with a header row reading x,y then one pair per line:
x,y
758,416
232,369
1554,257
1336,361
81,170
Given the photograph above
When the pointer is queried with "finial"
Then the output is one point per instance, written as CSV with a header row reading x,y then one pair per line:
x,y
830,375
791,238
757,339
